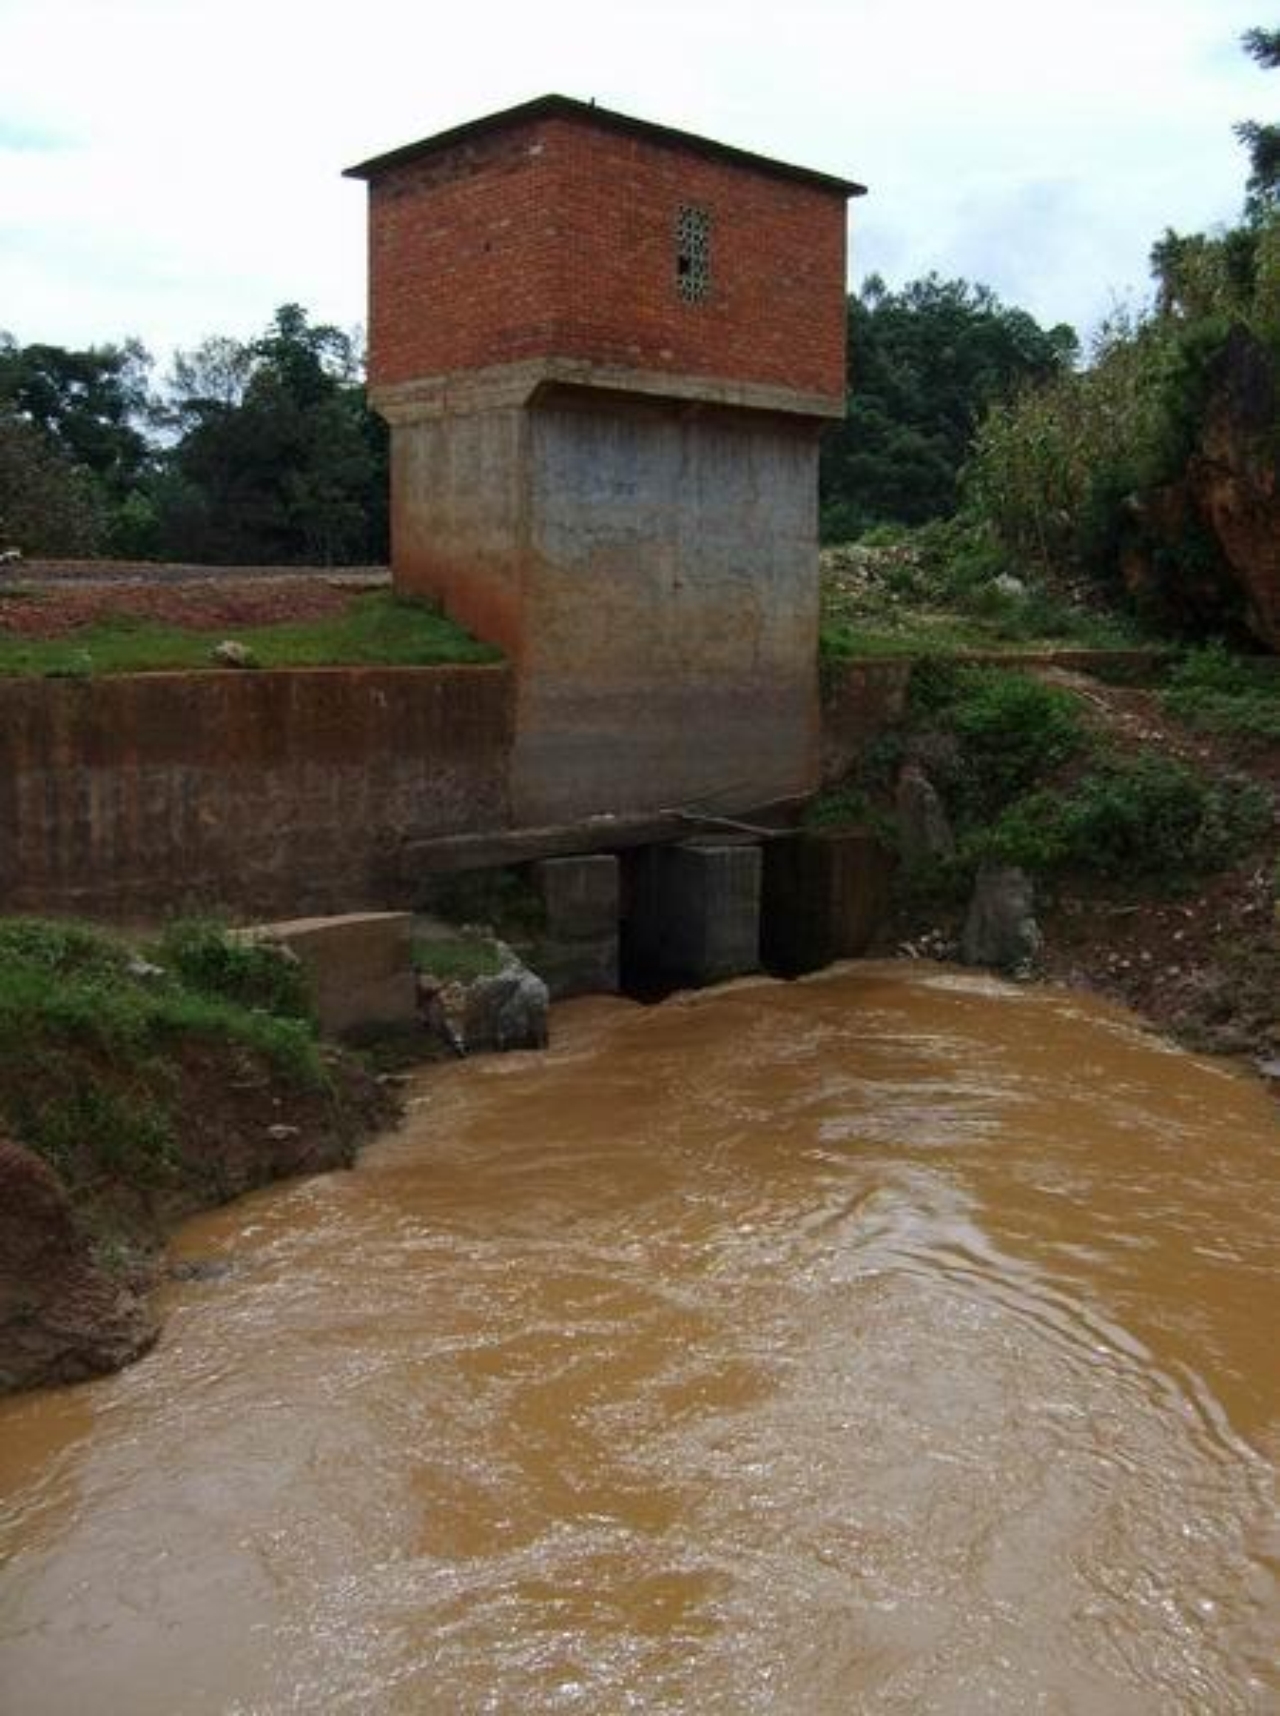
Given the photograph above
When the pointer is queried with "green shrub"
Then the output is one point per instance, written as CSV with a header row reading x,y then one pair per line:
x,y
1215,691
1013,729
125,1132
840,806
1145,817
505,900
1034,833
1010,730
206,957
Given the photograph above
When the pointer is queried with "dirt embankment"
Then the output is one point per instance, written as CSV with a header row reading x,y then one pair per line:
x,y
77,1266
44,603
1197,955
1203,962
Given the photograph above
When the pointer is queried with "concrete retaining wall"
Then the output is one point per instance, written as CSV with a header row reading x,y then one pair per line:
x,y
265,793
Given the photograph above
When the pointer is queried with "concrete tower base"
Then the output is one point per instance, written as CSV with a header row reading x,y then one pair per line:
x,y
650,567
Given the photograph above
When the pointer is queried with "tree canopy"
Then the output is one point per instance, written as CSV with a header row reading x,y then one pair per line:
x,y
925,363
1153,470
279,459
1262,141
90,406
260,450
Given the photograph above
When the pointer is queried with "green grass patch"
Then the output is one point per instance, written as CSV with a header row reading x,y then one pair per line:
x,y
206,958
377,629
925,632
456,959
1147,817
942,590
92,1036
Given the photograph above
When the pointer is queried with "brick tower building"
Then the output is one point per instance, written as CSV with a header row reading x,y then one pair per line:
x,y
606,351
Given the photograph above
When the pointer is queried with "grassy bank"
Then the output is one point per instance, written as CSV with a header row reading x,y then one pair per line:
x,y
933,592
375,629
94,1037
137,1084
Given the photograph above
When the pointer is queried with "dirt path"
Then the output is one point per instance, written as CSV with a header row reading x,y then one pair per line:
x,y
51,599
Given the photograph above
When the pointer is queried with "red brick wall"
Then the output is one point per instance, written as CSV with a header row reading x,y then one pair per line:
x,y
557,238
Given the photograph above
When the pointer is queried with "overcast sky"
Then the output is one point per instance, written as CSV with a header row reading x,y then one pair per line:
x,y
170,168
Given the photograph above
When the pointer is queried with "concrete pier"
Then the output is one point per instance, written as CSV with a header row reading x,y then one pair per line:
x,y
578,953
691,915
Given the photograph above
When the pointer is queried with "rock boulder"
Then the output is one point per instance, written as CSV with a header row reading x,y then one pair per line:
x,y
1000,929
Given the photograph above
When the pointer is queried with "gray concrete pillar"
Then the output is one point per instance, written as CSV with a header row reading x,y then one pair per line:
x,y
578,952
693,914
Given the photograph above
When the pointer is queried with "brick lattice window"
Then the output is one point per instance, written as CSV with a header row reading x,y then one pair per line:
x,y
693,253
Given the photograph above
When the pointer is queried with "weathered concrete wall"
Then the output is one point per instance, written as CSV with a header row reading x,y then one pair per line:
x,y
266,793
651,572
459,517
671,608
823,897
691,914
860,700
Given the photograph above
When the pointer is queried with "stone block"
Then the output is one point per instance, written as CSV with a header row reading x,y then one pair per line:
x,y
576,967
360,966
695,914
580,896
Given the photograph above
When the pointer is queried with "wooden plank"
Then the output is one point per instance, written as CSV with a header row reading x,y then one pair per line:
x,y
592,834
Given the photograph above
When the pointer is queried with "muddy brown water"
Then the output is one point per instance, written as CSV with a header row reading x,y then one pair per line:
x,y
898,1341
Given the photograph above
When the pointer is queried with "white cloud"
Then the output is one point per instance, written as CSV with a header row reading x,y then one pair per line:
x,y
171,167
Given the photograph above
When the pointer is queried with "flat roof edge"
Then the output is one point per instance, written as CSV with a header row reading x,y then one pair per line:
x,y
566,107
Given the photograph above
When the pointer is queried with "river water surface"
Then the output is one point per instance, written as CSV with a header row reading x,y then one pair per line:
x,y
895,1341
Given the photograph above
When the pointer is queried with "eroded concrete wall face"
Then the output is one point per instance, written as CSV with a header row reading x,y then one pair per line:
x,y
671,611
458,529
359,966
265,793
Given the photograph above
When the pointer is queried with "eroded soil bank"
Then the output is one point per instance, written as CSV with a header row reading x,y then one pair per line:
x,y
78,1273
1151,837
137,1084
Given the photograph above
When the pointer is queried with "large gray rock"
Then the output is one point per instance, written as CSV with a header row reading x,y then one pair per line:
x,y
924,833
507,1010
1000,928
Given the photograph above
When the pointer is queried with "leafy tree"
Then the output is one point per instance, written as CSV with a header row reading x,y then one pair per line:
x,y
1099,475
1262,141
212,377
924,365
47,504
90,405
279,460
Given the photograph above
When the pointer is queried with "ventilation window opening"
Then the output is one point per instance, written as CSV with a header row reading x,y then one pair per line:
x,y
693,253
